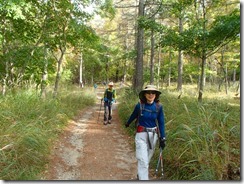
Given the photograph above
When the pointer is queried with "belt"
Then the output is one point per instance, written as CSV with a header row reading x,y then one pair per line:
x,y
144,129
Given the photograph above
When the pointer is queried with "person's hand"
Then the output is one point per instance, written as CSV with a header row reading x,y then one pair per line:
x,y
105,99
113,101
126,125
162,142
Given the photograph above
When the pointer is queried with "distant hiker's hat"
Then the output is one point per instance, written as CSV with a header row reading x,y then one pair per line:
x,y
147,89
111,84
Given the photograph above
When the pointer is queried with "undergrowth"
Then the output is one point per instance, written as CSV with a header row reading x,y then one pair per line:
x,y
29,125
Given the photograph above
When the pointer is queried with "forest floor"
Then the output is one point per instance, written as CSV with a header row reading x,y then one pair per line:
x,y
88,150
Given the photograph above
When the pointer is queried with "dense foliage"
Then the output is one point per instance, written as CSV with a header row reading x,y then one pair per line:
x,y
45,41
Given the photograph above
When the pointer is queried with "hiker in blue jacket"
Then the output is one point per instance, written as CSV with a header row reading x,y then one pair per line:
x,y
150,126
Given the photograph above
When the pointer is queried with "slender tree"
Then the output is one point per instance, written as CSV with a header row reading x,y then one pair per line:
x,y
138,77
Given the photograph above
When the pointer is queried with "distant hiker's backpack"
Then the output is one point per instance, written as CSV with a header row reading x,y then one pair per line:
x,y
142,107
109,94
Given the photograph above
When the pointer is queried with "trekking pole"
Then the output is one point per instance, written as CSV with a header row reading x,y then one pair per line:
x,y
160,161
99,111
156,171
162,165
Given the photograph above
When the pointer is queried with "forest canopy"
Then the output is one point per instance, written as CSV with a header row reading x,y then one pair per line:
x,y
44,43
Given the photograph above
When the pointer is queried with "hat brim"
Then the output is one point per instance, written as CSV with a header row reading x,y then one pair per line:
x,y
141,94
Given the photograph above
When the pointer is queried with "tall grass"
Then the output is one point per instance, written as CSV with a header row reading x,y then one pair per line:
x,y
203,139
30,124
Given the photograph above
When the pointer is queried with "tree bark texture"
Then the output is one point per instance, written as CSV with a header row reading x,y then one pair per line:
x,y
139,46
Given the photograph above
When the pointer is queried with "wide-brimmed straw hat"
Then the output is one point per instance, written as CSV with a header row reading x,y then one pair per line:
x,y
111,84
149,88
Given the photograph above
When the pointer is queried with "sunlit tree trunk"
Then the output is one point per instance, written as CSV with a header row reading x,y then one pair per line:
x,y
180,60
81,72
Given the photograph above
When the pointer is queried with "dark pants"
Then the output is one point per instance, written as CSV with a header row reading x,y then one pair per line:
x,y
107,111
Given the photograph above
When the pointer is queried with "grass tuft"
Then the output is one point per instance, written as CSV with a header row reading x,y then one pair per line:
x,y
29,125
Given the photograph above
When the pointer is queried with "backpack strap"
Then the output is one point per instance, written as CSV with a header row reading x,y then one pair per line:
x,y
142,107
158,105
106,91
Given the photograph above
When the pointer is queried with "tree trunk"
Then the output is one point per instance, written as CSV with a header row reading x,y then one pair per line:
x,y
226,79
44,75
125,61
4,89
58,74
201,82
169,69
180,71
152,58
202,76
180,60
6,64
234,76
139,47
159,65
225,70
107,68
238,88
81,72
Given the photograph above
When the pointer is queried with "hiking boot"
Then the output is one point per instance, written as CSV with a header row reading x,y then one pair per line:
x,y
105,123
109,121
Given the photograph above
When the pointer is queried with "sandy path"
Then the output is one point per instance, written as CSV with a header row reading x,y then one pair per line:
x,y
89,150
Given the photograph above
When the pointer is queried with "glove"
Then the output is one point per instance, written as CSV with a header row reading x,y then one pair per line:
x,y
113,101
162,143
127,125
105,99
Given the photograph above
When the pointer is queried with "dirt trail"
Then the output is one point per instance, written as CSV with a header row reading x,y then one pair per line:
x,y
89,150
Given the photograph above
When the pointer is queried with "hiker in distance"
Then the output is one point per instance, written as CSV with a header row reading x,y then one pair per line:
x,y
150,127
109,98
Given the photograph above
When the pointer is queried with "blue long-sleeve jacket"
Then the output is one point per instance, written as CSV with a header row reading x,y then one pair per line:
x,y
148,116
